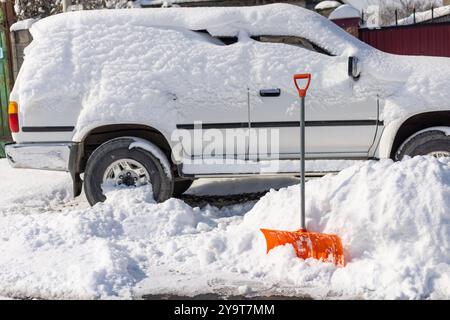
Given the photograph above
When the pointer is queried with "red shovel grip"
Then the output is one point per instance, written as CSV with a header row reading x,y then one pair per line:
x,y
302,76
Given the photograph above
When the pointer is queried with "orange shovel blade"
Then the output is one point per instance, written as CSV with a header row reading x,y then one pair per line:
x,y
324,247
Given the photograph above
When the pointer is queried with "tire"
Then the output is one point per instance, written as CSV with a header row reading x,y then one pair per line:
x,y
116,149
181,187
433,142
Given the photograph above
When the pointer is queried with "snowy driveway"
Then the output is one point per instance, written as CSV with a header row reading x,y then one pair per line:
x,y
393,219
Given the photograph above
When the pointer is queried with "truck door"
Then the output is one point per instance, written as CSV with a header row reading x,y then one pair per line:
x,y
216,100
339,123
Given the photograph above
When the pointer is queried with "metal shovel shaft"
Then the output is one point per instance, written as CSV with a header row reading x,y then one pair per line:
x,y
302,164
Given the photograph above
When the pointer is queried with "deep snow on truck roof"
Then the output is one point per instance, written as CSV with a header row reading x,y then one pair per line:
x,y
282,19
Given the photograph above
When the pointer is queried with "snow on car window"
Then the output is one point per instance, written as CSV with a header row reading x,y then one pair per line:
x,y
290,40
222,41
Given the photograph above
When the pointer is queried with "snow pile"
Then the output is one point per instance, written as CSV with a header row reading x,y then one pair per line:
x,y
143,66
23,24
343,12
88,253
18,189
393,219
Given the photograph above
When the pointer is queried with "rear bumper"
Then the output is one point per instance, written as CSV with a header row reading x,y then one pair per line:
x,y
45,156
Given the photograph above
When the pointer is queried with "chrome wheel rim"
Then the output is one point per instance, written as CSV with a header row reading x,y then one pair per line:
x,y
440,154
127,172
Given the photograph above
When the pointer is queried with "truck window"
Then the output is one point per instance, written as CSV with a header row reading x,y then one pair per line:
x,y
294,41
217,40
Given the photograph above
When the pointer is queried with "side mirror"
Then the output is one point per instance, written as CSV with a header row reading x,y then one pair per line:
x,y
354,68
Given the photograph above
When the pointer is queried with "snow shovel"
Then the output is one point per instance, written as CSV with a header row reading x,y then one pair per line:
x,y
324,247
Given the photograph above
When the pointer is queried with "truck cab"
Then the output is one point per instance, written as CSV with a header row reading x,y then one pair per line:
x,y
170,98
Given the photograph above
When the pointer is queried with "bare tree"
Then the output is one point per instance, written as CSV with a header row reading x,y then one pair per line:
x,y
404,8
36,8
100,4
41,8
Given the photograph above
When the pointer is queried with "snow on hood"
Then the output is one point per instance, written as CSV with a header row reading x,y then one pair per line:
x,y
395,232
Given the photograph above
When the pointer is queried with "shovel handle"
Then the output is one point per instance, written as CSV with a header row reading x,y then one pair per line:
x,y
302,76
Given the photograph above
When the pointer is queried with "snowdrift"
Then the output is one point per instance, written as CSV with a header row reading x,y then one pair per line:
x,y
393,219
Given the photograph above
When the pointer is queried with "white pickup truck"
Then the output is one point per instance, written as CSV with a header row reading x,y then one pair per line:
x,y
165,96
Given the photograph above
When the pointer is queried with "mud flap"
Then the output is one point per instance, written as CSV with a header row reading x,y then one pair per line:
x,y
74,169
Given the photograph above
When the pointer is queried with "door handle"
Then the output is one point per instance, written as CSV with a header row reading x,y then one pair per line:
x,y
270,92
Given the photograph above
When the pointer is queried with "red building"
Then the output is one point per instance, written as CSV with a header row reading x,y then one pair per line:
x,y
424,33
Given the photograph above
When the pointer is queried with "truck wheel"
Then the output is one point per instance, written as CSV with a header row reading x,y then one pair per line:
x,y
114,161
434,143
181,187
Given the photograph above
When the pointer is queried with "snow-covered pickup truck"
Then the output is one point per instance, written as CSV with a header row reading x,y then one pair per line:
x,y
164,96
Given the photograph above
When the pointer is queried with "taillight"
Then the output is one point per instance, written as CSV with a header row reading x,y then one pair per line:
x,y
13,115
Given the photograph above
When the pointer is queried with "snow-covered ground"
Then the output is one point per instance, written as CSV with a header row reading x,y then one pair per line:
x,y
393,219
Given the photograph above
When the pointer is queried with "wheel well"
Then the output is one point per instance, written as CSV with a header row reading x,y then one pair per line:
x,y
417,123
105,133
